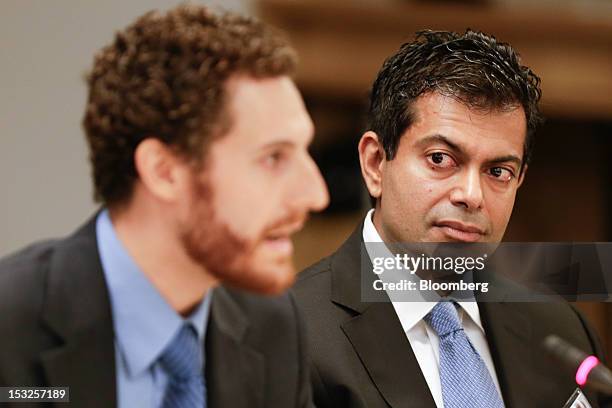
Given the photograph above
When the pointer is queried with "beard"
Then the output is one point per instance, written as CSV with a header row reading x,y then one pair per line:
x,y
233,260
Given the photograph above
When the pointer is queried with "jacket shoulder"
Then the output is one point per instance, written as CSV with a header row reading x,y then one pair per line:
x,y
265,314
564,320
312,291
314,272
318,276
22,276
28,257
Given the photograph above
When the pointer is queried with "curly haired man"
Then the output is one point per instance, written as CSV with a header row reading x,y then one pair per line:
x,y
198,143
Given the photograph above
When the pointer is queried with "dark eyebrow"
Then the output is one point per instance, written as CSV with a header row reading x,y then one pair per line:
x,y
444,140
440,139
283,144
505,159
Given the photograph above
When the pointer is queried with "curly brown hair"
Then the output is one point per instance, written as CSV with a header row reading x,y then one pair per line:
x,y
164,77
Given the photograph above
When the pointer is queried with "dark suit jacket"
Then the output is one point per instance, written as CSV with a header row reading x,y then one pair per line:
x,y
361,356
56,325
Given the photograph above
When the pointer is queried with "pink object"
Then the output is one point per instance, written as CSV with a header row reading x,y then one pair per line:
x,y
585,368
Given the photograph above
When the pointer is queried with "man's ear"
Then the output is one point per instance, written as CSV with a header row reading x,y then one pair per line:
x,y
522,175
159,169
371,159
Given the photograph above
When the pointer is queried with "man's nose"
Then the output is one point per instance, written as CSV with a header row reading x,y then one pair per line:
x,y
311,192
467,192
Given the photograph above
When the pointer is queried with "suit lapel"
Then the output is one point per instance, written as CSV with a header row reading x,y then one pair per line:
x,y
235,373
385,351
77,310
376,333
508,332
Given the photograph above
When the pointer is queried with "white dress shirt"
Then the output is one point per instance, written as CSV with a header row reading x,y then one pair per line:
x,y
423,340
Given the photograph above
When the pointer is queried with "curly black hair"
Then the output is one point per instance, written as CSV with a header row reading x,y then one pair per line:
x,y
164,77
474,68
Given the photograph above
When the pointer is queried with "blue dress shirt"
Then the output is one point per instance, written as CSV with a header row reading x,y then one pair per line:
x,y
144,322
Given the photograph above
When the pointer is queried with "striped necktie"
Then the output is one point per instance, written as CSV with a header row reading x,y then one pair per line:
x,y
182,361
466,381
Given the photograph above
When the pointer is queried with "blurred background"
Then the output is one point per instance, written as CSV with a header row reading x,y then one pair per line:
x,y
48,46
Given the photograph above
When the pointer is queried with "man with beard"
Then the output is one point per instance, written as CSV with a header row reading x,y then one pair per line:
x,y
198,141
451,126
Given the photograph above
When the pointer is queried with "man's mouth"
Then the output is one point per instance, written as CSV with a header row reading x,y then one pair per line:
x,y
281,244
459,231
279,239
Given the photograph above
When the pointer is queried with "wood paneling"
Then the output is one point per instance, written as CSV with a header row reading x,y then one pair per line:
x,y
343,43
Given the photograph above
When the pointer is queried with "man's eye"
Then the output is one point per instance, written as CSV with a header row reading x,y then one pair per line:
x,y
501,173
440,160
273,159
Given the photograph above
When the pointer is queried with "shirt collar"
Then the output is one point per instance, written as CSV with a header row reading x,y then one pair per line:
x,y
410,313
144,322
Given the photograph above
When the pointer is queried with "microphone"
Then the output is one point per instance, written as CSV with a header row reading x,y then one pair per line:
x,y
589,371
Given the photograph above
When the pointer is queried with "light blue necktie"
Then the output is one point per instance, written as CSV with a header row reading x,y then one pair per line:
x,y
182,361
466,381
